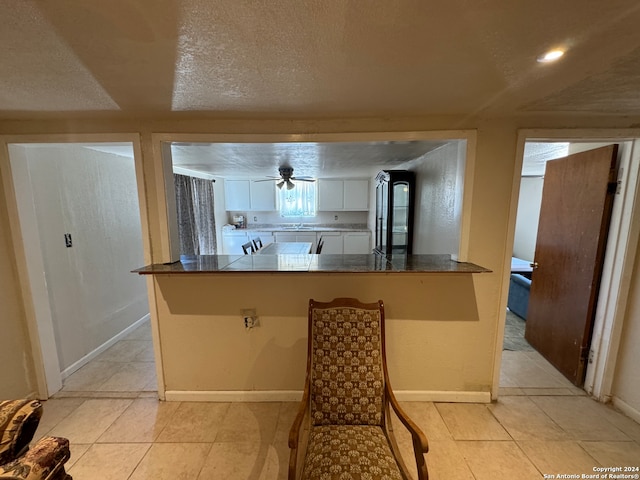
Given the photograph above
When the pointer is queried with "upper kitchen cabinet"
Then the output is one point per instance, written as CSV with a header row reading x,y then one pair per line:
x,y
263,196
247,195
395,196
348,194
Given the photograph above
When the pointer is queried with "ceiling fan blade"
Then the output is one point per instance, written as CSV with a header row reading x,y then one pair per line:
x,y
270,179
303,179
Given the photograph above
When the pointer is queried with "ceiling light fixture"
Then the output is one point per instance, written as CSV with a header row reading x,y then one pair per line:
x,y
289,183
551,56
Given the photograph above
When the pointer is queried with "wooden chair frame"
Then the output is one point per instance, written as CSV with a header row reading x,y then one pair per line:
x,y
419,440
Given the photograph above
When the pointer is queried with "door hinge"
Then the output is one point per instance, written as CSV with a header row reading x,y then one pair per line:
x,y
614,187
619,180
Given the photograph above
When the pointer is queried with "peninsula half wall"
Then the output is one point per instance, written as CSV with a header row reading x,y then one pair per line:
x,y
206,353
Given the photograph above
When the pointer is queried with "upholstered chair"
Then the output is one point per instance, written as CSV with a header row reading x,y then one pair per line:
x,y
343,428
43,461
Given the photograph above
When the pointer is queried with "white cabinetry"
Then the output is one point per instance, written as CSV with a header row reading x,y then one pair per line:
x,y
247,195
265,237
356,242
297,237
232,242
237,195
335,242
338,195
332,242
330,195
263,196
356,194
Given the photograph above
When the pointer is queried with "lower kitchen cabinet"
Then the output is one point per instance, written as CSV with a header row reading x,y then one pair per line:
x,y
232,242
356,242
297,237
332,242
266,237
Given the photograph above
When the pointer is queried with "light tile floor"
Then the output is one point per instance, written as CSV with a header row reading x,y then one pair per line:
x,y
540,425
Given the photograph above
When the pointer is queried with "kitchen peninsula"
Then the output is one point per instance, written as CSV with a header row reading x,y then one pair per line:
x,y
311,263
204,352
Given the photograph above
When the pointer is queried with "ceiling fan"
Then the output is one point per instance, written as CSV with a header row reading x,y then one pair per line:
x,y
286,175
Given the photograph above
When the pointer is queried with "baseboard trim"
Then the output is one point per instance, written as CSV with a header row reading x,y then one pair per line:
x,y
233,396
444,396
296,396
74,367
625,408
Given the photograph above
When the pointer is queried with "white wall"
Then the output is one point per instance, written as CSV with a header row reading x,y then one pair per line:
x,y
626,385
439,181
93,196
220,214
529,202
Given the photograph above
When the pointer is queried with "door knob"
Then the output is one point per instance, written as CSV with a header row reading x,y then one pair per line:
x,y
534,265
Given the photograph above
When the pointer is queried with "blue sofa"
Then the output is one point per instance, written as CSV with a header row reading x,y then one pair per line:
x,y
518,300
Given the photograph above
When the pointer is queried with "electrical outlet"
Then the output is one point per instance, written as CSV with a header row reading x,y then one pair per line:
x,y
255,218
249,317
335,217
250,322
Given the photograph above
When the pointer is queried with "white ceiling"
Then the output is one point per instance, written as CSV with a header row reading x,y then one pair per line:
x,y
337,159
308,59
307,159
537,154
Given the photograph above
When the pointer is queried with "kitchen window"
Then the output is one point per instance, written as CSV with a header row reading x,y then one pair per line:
x,y
300,201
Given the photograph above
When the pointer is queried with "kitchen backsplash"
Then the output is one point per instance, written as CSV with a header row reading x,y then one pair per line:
x,y
325,219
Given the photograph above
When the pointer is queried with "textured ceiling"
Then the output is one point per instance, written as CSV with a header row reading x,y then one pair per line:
x,y
308,159
305,58
336,159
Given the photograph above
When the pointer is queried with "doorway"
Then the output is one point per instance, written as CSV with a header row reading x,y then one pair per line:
x,y
78,210
610,307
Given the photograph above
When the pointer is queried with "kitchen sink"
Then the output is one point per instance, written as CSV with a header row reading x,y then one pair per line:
x,y
297,228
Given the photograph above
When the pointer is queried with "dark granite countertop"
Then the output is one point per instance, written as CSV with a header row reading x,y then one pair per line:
x,y
324,263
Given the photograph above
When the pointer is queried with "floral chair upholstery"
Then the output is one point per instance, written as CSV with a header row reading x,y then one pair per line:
x,y
44,461
348,433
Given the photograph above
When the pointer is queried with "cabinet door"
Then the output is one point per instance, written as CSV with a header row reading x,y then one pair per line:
x,y
285,237
232,243
307,237
330,195
265,237
357,242
356,194
332,242
263,196
237,195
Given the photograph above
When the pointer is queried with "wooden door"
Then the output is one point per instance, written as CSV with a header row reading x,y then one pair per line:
x,y
576,207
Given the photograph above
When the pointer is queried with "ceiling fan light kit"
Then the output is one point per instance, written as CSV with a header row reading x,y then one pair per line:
x,y
289,183
286,175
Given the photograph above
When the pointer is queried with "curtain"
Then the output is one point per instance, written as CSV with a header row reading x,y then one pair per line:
x,y
299,201
196,221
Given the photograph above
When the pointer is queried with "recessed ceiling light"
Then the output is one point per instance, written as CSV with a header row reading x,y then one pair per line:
x,y
551,56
